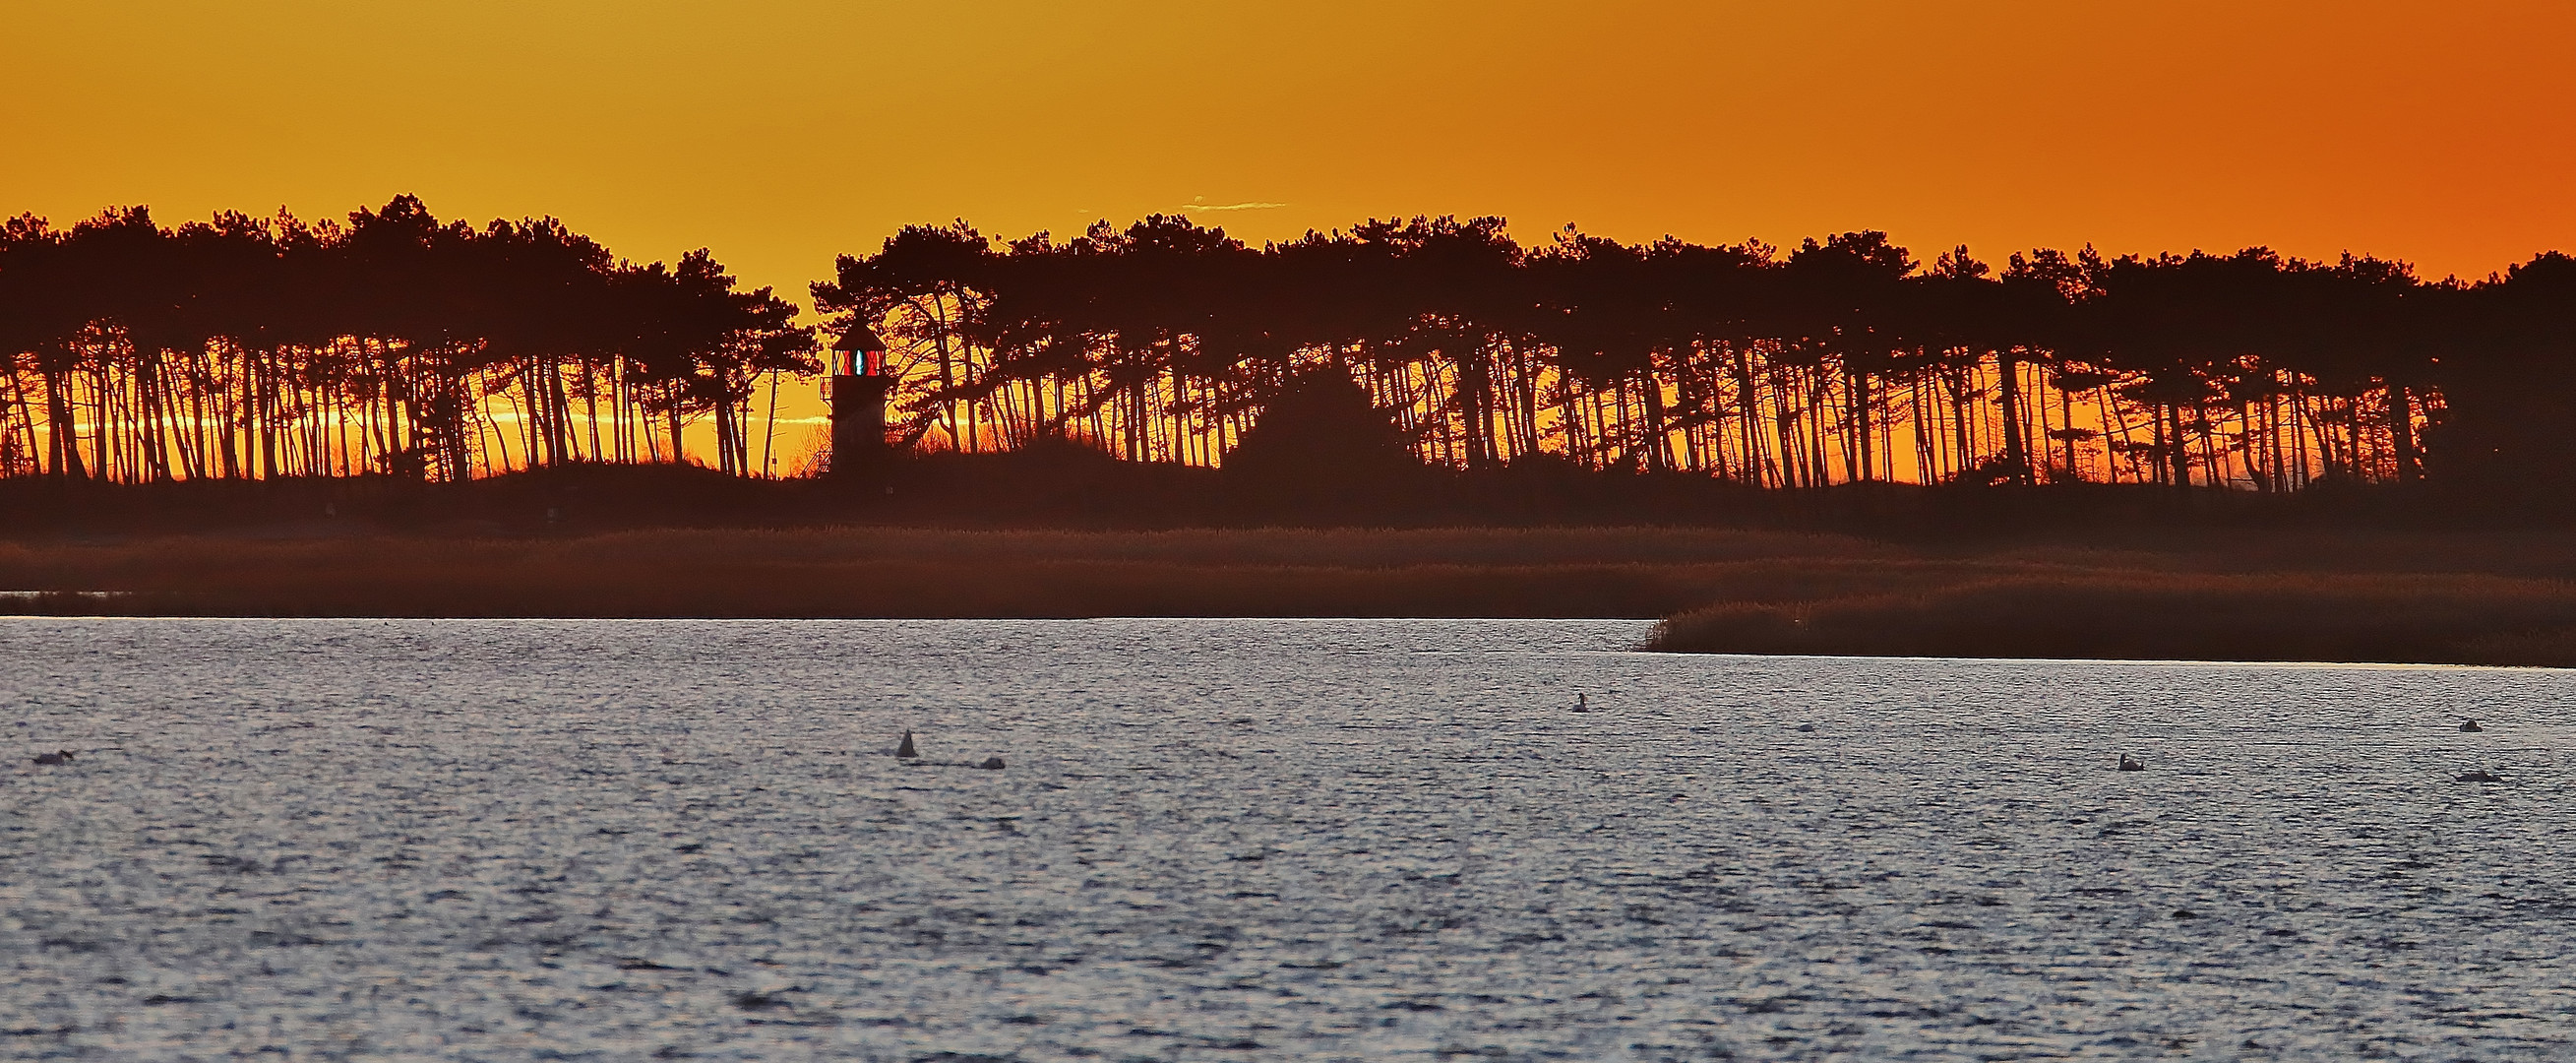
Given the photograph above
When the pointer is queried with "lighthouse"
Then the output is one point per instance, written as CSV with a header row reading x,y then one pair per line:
x,y
857,392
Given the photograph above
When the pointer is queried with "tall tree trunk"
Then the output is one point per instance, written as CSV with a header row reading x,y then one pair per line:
x,y
678,456
2401,431
62,440
1658,435
1859,465
2179,449
2016,448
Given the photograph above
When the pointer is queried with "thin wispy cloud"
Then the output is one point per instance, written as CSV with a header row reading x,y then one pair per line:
x,y
1199,207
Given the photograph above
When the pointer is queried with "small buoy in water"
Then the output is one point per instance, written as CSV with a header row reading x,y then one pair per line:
x,y
1806,728
2478,776
2130,765
59,756
2470,726
906,750
991,764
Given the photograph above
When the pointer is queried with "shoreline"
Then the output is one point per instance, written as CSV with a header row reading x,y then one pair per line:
x,y
2328,597
1648,622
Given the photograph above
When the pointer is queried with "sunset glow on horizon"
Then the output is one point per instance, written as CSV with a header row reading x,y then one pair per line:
x,y
781,134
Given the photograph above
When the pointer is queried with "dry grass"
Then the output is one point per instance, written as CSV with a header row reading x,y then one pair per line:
x,y
936,573
2206,594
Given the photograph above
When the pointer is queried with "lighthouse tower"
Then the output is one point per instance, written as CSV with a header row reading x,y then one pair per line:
x,y
857,391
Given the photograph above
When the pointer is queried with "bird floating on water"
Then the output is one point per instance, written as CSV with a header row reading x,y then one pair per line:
x,y
1806,728
2470,725
59,756
911,756
2127,764
1582,703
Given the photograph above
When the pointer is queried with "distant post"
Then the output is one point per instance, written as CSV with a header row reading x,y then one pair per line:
x,y
858,393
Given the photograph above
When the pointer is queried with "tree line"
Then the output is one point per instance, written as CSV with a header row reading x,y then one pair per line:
x,y
397,344
1842,360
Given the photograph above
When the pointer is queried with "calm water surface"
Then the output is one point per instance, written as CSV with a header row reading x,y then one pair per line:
x,y
1257,840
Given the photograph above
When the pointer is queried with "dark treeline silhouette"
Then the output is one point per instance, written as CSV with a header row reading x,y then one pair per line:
x,y
398,344
1843,360
395,343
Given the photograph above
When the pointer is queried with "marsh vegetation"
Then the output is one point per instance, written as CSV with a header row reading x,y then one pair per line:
x,y
2209,591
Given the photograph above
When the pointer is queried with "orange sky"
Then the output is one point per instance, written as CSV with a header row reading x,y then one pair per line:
x,y
781,132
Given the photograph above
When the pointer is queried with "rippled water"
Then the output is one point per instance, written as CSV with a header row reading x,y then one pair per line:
x,y
1257,840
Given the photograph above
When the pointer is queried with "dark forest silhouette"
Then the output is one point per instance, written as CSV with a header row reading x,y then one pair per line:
x,y
398,344
262,348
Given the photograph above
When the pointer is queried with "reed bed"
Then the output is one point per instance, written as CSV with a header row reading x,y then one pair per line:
x,y
2213,594
939,573
2430,619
